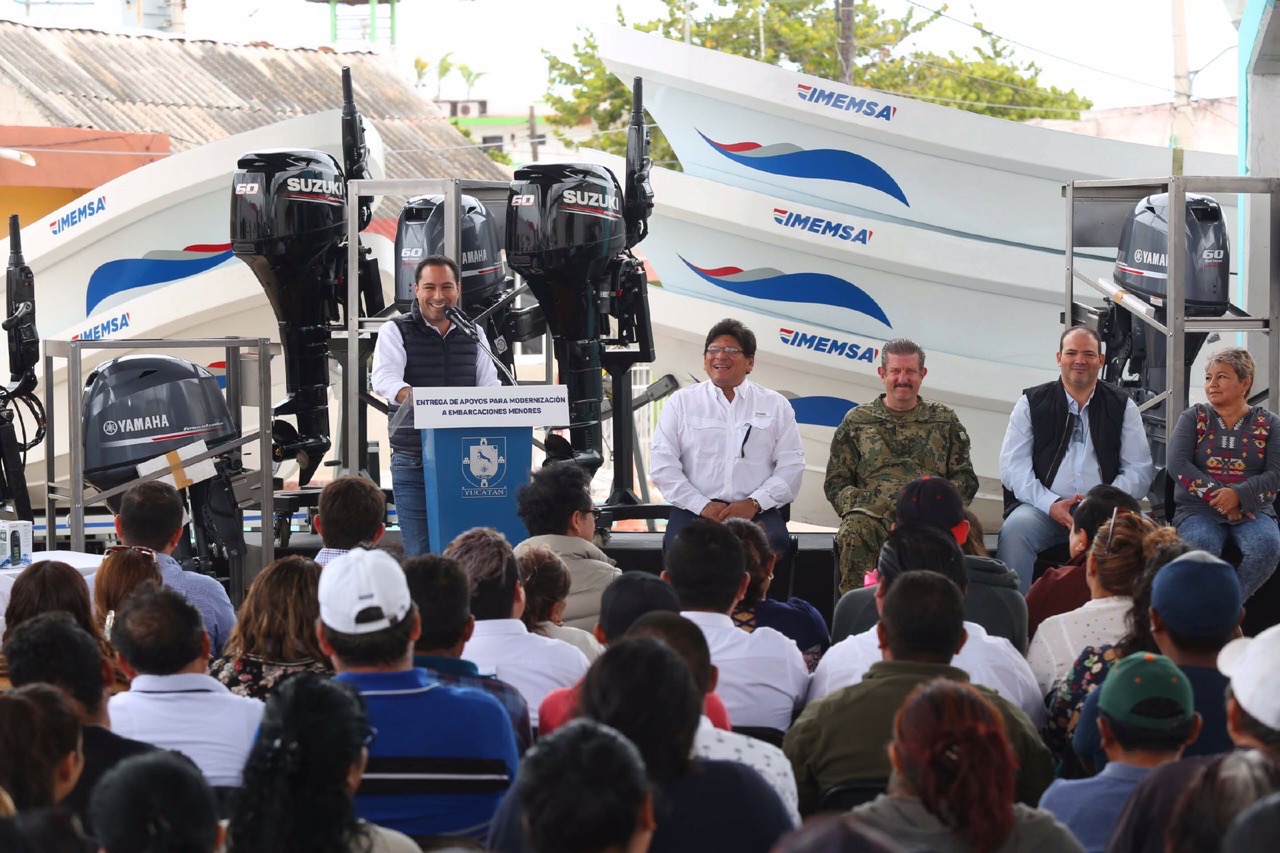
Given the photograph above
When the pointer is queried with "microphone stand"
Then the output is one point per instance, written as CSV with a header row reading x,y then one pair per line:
x,y
463,322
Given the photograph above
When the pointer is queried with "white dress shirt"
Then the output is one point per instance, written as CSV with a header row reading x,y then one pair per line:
x,y
1060,639
389,361
708,447
763,679
193,714
1079,470
764,758
532,664
990,661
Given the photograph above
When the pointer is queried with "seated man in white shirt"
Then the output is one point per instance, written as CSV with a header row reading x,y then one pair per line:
x,y
728,448
172,702
989,660
763,677
501,645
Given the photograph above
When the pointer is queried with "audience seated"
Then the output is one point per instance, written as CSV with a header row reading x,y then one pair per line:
x,y
47,586
151,515
769,761
796,618
629,597
920,630
1195,610
172,701
440,591
40,754
1147,716
1115,561
546,580
156,803
1063,589
275,635
124,568
1253,722
53,649
1226,786
352,513
303,771
837,833
953,785
642,688
992,599
585,790
557,510
1256,829
763,677
443,754
990,661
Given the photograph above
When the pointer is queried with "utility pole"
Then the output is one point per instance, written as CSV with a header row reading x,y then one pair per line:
x,y
844,12
763,5
1181,130
688,39
533,135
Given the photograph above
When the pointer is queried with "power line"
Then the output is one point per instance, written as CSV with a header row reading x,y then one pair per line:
x,y
972,76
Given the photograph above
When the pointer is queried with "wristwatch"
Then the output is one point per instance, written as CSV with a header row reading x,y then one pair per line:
x,y
759,509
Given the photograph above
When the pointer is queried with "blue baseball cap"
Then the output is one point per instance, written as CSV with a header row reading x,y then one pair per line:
x,y
1197,595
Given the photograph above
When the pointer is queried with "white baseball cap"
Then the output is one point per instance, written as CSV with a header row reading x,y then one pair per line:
x,y
362,592
1253,664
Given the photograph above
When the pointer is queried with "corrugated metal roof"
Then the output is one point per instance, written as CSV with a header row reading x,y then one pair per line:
x,y
199,91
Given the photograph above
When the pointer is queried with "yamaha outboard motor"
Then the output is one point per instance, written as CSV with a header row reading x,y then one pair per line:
x,y
420,234
1142,268
289,223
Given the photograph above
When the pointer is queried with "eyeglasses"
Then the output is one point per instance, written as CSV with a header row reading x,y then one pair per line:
x,y
120,549
370,734
1111,531
730,351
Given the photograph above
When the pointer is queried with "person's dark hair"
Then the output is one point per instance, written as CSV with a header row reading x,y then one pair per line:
x,y
38,730
900,346
705,564
438,587
1256,829
547,502
684,637
1122,547
351,510
158,631
1255,728
294,795
150,514
923,617
917,546
156,802
46,586
756,551
631,595
53,649
485,555
277,621
44,831
973,544
836,833
1219,792
1090,332
546,582
1133,737
437,261
1097,506
737,330
121,573
581,789
951,749
379,648
1137,637
642,688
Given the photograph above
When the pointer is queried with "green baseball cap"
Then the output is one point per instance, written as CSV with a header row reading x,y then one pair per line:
x,y
1140,677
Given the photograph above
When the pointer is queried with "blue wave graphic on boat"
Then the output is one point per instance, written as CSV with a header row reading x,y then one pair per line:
x,y
805,287
792,161
821,411
125,274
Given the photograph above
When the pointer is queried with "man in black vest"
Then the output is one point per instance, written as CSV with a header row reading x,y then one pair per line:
x,y
416,350
1064,438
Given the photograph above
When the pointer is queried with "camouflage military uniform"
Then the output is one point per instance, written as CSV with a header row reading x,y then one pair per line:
x,y
873,455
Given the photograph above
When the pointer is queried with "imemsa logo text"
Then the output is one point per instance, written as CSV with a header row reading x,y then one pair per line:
x,y
105,329
831,346
845,103
821,227
78,215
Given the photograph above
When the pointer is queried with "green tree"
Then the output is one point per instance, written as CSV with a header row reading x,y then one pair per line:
x,y
803,35
469,77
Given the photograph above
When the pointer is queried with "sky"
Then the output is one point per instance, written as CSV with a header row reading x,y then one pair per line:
x,y
1116,52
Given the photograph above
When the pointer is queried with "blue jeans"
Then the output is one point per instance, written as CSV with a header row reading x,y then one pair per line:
x,y
1258,540
409,491
775,529
1025,533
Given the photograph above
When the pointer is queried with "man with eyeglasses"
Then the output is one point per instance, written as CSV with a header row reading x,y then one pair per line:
x,y
883,445
728,448
1064,438
416,350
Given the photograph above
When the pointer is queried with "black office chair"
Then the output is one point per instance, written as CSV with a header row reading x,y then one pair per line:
x,y
844,796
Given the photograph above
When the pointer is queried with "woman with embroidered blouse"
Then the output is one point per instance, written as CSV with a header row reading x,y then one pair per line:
x,y
1227,471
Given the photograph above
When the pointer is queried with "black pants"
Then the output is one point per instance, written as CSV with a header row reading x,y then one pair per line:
x,y
775,529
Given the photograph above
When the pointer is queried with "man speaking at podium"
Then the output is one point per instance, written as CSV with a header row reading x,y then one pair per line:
x,y
423,349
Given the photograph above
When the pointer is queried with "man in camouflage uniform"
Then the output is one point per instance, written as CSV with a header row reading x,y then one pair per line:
x,y
882,446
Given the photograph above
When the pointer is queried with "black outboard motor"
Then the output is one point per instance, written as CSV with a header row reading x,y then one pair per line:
x,y
420,234
1142,268
24,355
289,223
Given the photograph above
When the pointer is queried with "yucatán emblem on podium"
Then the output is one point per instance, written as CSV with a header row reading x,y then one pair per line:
x,y
484,467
